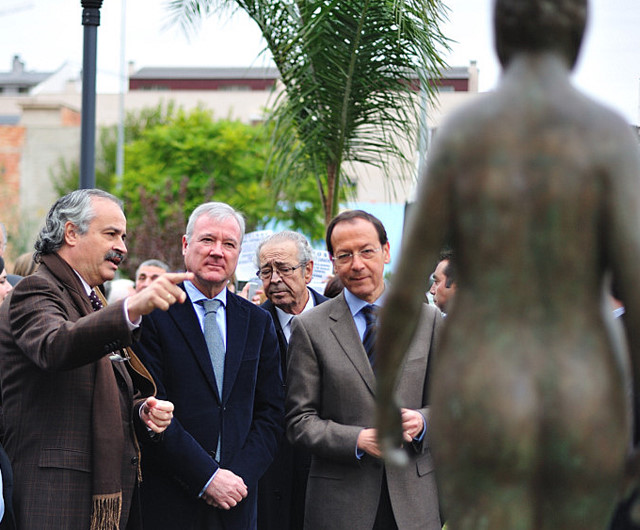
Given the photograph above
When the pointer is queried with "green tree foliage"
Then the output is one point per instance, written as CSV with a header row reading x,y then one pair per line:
x,y
66,175
175,166
175,160
349,68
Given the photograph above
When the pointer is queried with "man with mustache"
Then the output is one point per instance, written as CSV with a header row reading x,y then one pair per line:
x,y
73,400
285,266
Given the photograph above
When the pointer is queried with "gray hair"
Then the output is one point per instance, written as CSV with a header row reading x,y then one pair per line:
x,y
153,263
75,207
305,252
218,211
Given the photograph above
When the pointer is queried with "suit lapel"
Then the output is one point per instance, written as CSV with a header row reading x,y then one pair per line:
x,y
187,322
282,340
345,332
238,323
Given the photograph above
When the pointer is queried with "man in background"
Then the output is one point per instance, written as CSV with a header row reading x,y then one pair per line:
x,y
443,287
11,278
148,271
285,266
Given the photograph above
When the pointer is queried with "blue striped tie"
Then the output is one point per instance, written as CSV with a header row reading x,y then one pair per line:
x,y
370,313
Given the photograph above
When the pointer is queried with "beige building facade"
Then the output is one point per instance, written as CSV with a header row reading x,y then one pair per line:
x,y
40,125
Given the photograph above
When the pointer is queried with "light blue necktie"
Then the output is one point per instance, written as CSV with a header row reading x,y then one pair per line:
x,y
213,337
215,345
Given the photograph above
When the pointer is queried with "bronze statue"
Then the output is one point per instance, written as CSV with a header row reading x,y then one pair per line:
x,y
537,190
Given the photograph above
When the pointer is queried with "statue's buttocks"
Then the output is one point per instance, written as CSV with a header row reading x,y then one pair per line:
x,y
537,190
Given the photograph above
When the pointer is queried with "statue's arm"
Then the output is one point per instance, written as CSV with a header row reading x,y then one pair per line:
x,y
621,238
426,234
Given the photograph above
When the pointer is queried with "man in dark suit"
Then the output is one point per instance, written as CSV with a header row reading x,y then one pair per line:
x,y
330,404
74,408
285,265
216,358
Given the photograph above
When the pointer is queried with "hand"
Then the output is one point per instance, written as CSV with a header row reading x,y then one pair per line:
x,y
412,424
156,414
368,442
161,293
258,296
225,491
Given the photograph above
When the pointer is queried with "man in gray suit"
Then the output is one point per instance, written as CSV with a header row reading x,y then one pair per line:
x,y
330,405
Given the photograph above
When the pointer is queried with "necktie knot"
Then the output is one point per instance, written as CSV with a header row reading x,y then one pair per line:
x,y
370,313
211,306
95,301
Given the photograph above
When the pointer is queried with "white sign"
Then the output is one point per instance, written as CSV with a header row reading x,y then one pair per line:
x,y
322,269
246,269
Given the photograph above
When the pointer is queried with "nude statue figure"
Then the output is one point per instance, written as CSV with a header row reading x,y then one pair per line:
x,y
537,190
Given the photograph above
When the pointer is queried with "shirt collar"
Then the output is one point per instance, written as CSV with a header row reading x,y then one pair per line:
x,y
86,286
618,312
356,304
195,295
285,317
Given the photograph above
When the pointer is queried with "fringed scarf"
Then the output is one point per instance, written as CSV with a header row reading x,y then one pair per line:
x,y
106,429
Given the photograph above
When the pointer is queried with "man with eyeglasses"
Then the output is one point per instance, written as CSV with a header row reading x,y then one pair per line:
x,y
285,266
330,403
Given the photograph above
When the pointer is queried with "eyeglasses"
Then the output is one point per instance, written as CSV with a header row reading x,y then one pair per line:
x,y
283,271
346,257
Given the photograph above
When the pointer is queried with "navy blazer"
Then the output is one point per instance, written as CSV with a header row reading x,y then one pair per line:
x,y
249,418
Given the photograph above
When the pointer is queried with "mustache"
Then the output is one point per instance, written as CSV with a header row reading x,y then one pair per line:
x,y
273,290
115,256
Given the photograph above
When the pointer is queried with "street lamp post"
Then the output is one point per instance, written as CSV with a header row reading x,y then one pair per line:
x,y
90,21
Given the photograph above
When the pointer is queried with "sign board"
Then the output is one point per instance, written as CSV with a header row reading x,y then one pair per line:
x,y
322,269
246,269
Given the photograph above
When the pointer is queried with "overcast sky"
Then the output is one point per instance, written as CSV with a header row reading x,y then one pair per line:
x,y
48,33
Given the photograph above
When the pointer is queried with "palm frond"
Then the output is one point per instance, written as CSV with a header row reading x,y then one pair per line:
x,y
351,71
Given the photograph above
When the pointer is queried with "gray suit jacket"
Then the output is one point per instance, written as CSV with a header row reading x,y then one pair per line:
x,y
331,398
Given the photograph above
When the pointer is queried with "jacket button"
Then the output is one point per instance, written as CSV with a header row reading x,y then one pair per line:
x,y
134,461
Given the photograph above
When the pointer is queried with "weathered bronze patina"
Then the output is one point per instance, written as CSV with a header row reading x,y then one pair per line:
x,y
537,190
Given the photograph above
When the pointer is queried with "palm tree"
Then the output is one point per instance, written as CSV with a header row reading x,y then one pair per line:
x,y
351,70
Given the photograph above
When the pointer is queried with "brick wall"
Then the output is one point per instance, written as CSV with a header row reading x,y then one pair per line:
x,y
11,144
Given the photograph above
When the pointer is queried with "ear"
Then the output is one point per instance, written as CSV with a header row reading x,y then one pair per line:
x,y
184,245
308,272
70,234
386,253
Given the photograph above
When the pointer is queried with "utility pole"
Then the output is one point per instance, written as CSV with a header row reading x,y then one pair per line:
x,y
90,21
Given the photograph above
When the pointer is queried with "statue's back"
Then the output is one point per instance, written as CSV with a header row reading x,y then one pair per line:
x,y
537,190
526,363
